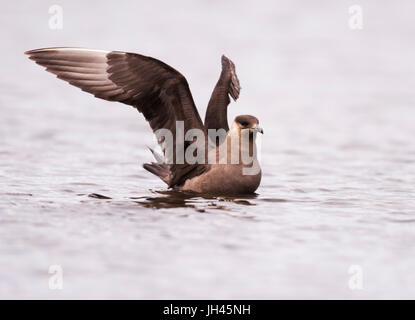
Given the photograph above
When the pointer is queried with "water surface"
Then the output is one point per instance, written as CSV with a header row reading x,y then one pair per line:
x,y
337,107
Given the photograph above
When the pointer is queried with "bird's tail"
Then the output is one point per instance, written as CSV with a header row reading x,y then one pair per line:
x,y
159,169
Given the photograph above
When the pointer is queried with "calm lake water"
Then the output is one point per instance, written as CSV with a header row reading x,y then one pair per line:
x,y
334,216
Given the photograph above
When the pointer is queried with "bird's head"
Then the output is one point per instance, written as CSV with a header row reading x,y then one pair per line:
x,y
244,122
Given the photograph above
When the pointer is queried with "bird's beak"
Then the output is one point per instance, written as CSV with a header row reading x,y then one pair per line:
x,y
257,128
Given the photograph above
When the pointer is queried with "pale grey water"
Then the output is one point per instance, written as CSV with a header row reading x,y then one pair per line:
x,y
337,107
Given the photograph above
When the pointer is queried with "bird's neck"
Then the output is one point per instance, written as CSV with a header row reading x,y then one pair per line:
x,y
241,145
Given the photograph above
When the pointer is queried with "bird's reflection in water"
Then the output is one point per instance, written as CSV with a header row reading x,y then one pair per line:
x,y
181,199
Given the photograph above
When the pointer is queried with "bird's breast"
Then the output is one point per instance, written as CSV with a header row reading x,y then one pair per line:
x,y
225,179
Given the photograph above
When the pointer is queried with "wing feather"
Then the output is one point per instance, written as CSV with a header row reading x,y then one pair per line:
x,y
227,85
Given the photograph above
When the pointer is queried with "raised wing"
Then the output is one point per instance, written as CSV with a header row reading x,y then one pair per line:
x,y
227,85
157,90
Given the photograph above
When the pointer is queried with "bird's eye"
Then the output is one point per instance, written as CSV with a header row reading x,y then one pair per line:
x,y
244,124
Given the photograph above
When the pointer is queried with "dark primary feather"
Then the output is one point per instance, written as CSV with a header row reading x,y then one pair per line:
x,y
157,90
227,85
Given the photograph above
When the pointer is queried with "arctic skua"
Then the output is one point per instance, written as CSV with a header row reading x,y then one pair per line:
x,y
162,95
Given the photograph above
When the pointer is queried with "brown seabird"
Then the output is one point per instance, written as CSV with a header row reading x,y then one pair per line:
x,y
162,95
